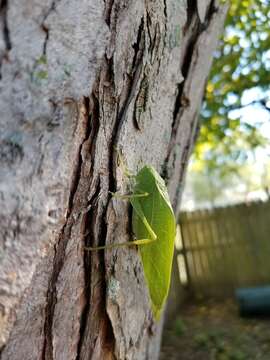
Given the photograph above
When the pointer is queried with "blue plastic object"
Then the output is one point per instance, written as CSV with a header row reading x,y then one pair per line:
x,y
254,301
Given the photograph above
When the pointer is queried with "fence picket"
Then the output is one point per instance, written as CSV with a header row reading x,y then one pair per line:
x,y
225,248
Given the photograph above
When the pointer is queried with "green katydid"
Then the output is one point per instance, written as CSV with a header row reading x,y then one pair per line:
x,y
153,224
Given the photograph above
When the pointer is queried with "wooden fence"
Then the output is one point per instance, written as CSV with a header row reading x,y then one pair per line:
x,y
226,248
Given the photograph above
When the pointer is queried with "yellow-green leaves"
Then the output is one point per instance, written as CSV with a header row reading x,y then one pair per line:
x,y
239,76
155,211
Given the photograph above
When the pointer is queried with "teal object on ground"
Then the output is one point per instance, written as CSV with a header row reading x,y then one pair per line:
x,y
254,301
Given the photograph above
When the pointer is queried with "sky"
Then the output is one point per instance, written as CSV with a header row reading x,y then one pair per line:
x,y
254,115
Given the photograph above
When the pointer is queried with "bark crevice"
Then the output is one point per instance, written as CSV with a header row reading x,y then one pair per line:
x,y
186,63
108,11
191,35
4,11
191,6
59,253
5,31
44,26
89,218
138,46
105,92
165,19
95,218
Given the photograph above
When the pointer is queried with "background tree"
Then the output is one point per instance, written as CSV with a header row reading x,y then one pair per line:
x,y
236,111
79,79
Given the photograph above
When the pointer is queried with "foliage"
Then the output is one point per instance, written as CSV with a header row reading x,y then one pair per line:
x,y
179,327
239,80
238,86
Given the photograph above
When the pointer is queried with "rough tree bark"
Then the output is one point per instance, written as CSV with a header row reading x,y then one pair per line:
x,y
79,78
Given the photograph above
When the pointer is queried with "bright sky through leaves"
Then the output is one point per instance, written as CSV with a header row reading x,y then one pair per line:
x,y
235,132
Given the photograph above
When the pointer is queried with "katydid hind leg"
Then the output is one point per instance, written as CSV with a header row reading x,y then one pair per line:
x,y
139,211
136,242
128,197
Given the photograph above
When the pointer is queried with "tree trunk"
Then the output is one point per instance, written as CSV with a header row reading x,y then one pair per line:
x,y
79,79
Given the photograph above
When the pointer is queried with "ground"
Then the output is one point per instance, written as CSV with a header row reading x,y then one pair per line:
x,y
214,331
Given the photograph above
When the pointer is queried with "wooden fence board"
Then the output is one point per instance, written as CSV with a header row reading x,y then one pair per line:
x,y
227,247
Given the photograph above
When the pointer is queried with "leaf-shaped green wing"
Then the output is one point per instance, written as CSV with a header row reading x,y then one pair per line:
x,y
157,256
